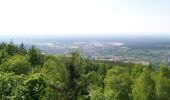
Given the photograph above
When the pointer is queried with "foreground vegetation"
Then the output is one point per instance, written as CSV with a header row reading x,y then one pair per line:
x,y
30,75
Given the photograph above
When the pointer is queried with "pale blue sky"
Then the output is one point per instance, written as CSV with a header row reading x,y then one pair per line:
x,y
85,17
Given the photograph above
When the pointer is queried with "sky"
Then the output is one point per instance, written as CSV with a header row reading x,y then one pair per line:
x,y
47,18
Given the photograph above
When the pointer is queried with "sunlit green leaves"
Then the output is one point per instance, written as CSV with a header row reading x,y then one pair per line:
x,y
17,64
144,86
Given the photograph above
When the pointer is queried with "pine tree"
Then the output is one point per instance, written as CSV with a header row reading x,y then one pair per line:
x,y
35,57
22,49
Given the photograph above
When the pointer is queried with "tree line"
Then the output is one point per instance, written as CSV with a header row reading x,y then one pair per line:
x,y
31,75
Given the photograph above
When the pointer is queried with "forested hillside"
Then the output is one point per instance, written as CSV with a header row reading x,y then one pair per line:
x,y
31,75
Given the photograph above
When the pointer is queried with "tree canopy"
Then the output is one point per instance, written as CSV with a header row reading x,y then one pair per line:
x,y
31,75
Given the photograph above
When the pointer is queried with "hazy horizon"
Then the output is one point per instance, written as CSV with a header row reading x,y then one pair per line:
x,y
87,38
47,36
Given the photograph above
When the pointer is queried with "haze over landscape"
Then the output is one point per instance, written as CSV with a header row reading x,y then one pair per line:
x,y
84,49
92,27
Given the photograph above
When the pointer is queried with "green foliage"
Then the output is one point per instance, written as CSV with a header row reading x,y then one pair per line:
x,y
163,84
55,74
96,93
17,64
9,84
3,56
22,49
35,56
11,49
35,87
19,87
143,88
118,84
64,76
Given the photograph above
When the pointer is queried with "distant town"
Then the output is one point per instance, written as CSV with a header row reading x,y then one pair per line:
x,y
135,52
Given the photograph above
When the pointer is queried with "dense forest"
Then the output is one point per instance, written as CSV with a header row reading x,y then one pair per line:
x,y
32,75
